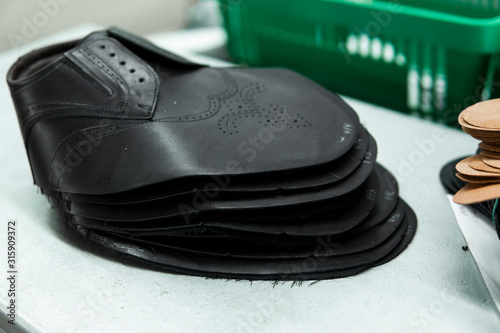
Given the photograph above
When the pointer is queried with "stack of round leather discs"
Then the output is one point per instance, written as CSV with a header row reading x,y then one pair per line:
x,y
481,171
241,173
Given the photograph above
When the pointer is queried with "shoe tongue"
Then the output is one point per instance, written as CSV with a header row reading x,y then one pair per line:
x,y
93,36
140,47
136,43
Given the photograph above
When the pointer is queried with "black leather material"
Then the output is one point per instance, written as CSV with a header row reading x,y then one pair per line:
x,y
294,182
338,195
246,111
311,268
221,172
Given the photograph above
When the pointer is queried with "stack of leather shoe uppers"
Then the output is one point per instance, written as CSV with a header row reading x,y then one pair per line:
x,y
241,173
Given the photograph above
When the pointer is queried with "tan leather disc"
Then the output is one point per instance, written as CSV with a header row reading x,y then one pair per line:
x,y
464,168
476,162
493,162
482,135
478,180
467,125
474,193
484,114
489,146
489,153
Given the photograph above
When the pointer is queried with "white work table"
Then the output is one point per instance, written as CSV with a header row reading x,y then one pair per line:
x,y
433,286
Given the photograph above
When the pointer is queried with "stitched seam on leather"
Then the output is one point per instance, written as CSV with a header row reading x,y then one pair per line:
x,y
69,104
50,107
83,112
80,143
146,66
125,97
86,111
40,76
231,90
97,83
62,142
76,112
155,78
30,120
145,107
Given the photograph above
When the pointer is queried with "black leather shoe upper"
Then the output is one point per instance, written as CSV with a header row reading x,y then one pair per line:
x,y
105,114
220,172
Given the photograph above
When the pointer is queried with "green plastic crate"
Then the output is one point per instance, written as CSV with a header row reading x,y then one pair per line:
x,y
431,57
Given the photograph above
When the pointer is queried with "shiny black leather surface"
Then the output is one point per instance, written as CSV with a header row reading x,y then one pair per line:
x,y
220,172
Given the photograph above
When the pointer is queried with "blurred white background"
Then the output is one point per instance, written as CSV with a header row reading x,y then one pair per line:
x,y
22,21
